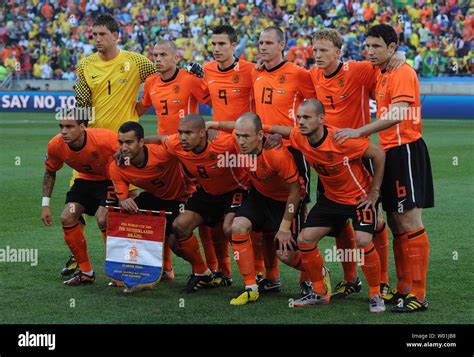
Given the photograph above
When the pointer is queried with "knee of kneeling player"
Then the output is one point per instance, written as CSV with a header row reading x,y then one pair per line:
x,y
68,219
286,257
102,222
363,240
241,225
180,229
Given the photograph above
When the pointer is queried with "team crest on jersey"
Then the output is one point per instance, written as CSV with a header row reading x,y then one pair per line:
x,y
335,167
340,82
281,79
236,78
176,88
95,155
125,67
122,81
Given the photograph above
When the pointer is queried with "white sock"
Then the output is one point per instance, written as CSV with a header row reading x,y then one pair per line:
x,y
253,287
88,273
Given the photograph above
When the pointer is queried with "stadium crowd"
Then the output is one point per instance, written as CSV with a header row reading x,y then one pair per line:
x,y
45,39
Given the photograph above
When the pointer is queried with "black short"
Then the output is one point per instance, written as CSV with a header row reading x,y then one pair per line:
x,y
266,213
327,213
92,194
304,170
408,181
148,201
213,208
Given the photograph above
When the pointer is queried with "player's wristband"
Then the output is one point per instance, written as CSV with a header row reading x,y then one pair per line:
x,y
45,201
267,129
285,225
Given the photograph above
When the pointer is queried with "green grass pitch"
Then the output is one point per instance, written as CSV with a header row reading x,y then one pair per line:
x,y
35,294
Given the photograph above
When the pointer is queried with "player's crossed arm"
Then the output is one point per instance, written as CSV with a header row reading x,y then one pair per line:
x,y
387,120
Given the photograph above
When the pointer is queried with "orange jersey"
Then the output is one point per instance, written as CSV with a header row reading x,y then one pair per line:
x,y
339,167
209,166
91,161
230,89
173,99
345,93
275,169
400,85
279,92
160,175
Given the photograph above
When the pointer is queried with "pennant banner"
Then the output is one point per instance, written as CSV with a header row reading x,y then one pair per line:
x,y
134,253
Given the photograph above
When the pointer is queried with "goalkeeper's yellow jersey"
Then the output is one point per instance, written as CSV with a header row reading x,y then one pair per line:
x,y
111,88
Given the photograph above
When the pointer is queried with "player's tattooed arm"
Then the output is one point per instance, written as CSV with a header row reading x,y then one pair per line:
x,y
48,185
141,109
284,237
390,118
375,153
48,182
284,131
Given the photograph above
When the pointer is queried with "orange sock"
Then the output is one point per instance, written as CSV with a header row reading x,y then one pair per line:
x,y
207,245
221,247
402,264
167,261
418,254
313,264
258,251
345,240
191,253
381,245
272,272
104,235
298,265
77,244
371,269
243,253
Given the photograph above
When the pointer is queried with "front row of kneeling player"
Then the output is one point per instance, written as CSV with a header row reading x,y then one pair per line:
x,y
264,195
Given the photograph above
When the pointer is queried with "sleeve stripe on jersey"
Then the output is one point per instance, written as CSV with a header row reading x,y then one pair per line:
x,y
207,96
290,177
403,95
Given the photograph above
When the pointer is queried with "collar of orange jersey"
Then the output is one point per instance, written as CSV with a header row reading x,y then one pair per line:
x,y
278,66
325,134
205,146
145,159
335,72
83,144
230,67
172,78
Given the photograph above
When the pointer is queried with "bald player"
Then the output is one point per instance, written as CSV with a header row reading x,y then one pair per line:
x,y
221,189
350,192
273,204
